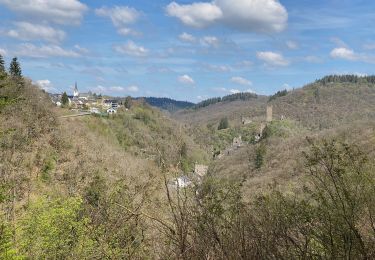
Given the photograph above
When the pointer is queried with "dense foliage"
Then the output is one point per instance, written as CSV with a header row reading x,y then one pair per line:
x,y
233,97
99,188
168,104
224,124
64,99
207,102
332,219
280,93
239,96
15,68
347,79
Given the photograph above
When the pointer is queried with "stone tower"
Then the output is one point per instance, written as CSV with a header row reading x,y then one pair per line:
x,y
75,91
269,114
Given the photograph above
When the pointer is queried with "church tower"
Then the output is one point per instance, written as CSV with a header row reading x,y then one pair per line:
x,y
75,92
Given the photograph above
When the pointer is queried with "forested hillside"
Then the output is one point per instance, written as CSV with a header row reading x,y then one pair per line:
x,y
168,104
99,187
325,103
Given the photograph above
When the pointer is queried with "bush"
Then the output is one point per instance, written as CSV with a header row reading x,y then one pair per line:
x,y
52,228
278,94
224,124
143,114
260,153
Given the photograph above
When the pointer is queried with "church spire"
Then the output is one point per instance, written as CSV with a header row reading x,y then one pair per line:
x,y
75,92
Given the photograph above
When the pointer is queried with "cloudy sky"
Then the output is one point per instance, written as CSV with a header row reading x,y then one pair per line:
x,y
185,49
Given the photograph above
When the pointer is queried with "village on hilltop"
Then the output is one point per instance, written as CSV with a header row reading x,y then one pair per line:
x,y
91,102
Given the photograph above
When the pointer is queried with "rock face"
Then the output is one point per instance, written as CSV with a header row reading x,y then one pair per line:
x,y
200,170
246,120
237,142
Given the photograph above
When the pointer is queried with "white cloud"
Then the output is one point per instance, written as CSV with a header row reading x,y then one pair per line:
x,y
217,68
117,89
131,49
244,64
369,46
186,79
313,59
133,88
339,42
292,45
100,89
3,52
344,53
127,31
234,91
254,15
31,31
249,90
210,41
360,74
121,17
57,11
286,86
81,49
241,81
272,58
245,15
351,55
185,37
31,50
45,84
195,14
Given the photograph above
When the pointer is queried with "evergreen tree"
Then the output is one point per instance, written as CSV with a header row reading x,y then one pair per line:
x,y
2,64
224,124
2,68
64,99
15,68
128,102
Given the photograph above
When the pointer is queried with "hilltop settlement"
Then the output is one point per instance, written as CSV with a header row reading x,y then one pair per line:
x,y
88,101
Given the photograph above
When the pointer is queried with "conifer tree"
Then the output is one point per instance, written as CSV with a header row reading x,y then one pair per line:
x,y
2,64
64,99
15,68
224,124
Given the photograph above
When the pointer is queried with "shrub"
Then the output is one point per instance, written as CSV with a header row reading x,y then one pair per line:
x,y
260,153
224,124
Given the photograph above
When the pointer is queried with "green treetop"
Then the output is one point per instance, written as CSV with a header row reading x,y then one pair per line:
x,y
64,99
224,124
15,68
2,64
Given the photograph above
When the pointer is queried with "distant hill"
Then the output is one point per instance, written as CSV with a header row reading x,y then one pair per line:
x,y
325,103
233,97
168,104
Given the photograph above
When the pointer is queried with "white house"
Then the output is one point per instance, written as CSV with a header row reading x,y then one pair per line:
x,y
94,110
111,111
182,182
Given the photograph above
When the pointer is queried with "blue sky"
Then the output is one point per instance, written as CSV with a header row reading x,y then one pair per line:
x,y
184,49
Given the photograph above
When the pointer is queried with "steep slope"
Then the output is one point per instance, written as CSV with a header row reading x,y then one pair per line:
x,y
334,108
326,103
81,172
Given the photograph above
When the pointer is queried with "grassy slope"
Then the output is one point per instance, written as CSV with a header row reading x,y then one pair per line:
x,y
45,155
314,106
334,110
